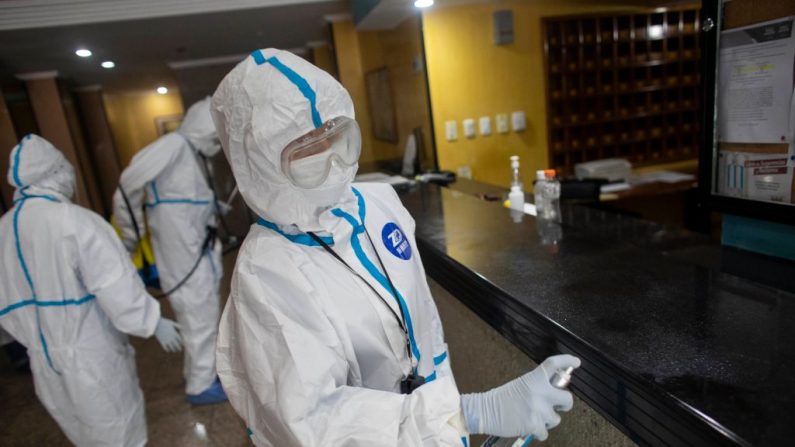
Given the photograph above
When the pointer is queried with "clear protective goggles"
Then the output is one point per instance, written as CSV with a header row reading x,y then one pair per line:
x,y
308,159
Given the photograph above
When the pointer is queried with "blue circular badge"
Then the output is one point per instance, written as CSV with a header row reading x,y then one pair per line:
x,y
395,241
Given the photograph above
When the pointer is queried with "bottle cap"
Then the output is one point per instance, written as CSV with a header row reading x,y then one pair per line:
x,y
549,173
540,175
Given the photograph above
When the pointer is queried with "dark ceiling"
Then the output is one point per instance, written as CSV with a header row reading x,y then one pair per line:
x,y
141,49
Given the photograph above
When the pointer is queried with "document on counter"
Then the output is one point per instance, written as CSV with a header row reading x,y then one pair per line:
x,y
765,177
756,83
661,177
380,177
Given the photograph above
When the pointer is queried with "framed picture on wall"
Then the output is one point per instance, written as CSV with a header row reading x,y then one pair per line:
x,y
167,123
382,105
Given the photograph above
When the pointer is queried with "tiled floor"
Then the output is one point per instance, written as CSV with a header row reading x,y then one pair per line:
x,y
171,421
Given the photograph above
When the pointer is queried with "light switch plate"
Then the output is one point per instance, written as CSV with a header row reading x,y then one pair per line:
x,y
502,123
465,171
485,126
518,121
469,128
451,130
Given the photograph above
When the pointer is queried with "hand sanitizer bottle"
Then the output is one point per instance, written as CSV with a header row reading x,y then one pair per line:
x,y
516,196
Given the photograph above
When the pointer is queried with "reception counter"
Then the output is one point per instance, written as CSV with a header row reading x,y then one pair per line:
x,y
682,342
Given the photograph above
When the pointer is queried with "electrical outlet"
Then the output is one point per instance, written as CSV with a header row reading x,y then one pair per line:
x,y
502,123
451,130
485,126
518,121
469,128
465,171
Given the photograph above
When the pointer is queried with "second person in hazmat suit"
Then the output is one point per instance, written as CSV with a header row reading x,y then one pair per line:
x,y
330,335
69,294
168,178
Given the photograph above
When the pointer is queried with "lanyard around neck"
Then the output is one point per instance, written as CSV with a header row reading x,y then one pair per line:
x,y
401,320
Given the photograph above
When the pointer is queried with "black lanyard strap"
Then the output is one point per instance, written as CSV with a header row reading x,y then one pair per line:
x,y
400,319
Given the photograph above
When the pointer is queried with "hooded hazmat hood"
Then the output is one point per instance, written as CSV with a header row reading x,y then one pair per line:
x,y
268,100
38,168
197,126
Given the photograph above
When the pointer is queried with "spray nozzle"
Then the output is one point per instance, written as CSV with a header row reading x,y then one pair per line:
x,y
562,378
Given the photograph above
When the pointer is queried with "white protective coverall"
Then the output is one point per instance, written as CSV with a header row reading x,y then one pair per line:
x,y
69,293
307,353
166,177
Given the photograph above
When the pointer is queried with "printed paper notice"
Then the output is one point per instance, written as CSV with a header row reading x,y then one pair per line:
x,y
765,177
756,80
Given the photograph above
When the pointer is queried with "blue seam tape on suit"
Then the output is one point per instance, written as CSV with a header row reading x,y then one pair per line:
x,y
296,79
372,269
39,303
159,201
15,170
29,280
303,239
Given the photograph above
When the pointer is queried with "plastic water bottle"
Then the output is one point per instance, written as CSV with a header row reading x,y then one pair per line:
x,y
551,196
538,192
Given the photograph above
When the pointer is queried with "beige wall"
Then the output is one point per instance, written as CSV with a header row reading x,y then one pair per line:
x,y
132,119
99,143
53,124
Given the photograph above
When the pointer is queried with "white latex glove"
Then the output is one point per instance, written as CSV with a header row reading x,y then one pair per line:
x,y
167,333
525,405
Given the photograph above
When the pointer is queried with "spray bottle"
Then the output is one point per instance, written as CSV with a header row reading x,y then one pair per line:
x,y
560,380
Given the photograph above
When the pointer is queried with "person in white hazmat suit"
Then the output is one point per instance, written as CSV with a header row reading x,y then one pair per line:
x,y
69,294
330,335
168,177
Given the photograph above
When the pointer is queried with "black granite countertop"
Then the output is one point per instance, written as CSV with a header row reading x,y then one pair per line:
x,y
676,351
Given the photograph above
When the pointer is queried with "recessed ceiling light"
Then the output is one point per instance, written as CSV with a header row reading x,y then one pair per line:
x,y
108,64
423,3
162,90
82,52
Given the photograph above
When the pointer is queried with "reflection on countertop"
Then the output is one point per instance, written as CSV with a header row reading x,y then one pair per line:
x,y
676,350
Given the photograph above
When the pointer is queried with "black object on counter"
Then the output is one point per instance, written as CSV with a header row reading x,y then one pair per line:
x,y
675,351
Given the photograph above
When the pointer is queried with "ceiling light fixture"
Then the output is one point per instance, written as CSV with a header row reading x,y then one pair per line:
x,y
423,3
82,52
162,90
108,64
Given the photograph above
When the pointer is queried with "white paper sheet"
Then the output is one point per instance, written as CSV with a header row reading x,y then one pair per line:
x,y
661,177
756,83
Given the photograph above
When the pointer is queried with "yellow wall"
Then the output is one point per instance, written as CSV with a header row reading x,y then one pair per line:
x,y
131,117
396,50
471,77
361,52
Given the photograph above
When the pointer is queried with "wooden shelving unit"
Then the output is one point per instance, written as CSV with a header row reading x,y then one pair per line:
x,y
623,85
